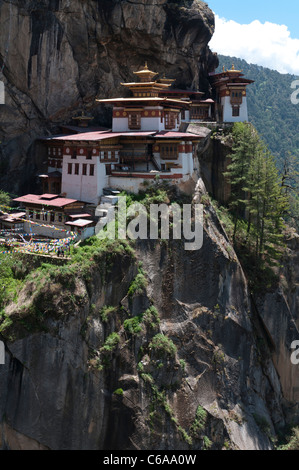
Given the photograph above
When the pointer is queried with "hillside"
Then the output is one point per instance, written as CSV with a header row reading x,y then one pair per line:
x,y
269,106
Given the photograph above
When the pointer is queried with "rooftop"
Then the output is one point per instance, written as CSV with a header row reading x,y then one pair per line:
x,y
44,199
80,223
12,217
95,136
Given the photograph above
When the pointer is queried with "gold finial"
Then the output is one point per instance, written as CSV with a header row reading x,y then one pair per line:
x,y
223,69
233,67
146,67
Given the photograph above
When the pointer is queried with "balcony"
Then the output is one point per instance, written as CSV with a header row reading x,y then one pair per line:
x,y
133,155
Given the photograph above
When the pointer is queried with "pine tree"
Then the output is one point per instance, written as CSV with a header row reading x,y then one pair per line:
x,y
4,200
266,205
246,143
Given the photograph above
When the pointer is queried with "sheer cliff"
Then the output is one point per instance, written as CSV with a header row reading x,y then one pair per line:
x,y
58,56
145,347
133,347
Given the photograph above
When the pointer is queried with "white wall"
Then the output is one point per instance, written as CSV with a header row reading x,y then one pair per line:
x,y
46,231
84,188
132,185
121,124
228,110
186,160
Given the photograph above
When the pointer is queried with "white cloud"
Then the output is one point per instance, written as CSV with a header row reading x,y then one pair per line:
x,y
266,44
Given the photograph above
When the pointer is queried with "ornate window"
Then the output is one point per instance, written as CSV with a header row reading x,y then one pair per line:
x,y
199,112
236,98
170,119
169,151
236,111
134,120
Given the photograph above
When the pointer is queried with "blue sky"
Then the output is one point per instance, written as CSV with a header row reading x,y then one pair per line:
x,y
263,32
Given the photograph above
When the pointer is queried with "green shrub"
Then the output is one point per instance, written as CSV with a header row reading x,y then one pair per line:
x,y
138,285
185,435
151,317
119,392
200,421
134,325
292,441
163,346
111,343
105,312
207,443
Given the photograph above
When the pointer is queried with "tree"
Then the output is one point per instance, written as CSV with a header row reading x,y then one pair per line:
x,y
266,205
245,146
290,186
4,200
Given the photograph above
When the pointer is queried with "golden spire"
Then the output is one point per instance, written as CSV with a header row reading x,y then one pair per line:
x,y
233,69
146,75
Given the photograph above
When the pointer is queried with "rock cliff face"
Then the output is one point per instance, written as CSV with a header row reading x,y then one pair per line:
x,y
60,55
80,375
78,378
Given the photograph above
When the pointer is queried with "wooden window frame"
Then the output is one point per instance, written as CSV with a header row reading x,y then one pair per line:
x,y
236,111
134,120
169,151
199,112
170,120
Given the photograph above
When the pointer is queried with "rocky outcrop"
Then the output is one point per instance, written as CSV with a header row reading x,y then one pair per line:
x,y
278,308
214,159
58,56
79,375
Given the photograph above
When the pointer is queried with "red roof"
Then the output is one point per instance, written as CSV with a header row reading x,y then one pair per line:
x,y
38,199
89,136
176,135
49,196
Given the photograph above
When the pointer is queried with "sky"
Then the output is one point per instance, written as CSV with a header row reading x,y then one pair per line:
x,y
262,32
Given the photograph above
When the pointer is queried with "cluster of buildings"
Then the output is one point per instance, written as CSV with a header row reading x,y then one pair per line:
x,y
148,140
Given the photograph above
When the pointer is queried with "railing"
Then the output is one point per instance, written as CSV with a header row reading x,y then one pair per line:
x,y
132,155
